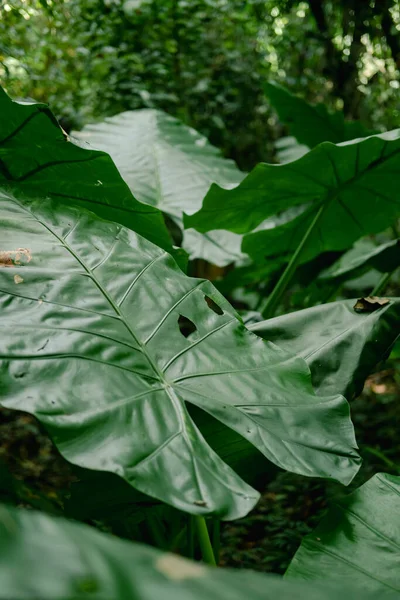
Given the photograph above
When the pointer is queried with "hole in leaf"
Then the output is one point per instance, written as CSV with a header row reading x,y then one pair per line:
x,y
213,305
186,326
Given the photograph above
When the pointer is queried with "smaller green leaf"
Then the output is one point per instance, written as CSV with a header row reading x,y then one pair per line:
x,y
342,191
341,346
357,542
170,166
55,559
363,256
312,124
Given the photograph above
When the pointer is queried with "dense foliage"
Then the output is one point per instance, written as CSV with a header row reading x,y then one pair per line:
x,y
186,333
204,61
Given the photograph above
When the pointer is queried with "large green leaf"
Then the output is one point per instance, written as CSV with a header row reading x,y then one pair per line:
x,y
341,346
55,559
171,166
352,187
312,124
357,542
363,256
37,157
91,344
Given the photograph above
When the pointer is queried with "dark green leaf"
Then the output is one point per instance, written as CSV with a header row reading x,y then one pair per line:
x,y
340,345
92,346
55,559
357,542
363,256
312,124
38,158
171,166
353,184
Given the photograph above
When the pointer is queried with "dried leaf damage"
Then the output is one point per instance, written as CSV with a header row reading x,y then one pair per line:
x,y
370,303
178,569
10,258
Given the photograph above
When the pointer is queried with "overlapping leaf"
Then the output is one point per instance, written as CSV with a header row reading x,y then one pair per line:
x,y
54,559
171,166
363,256
288,149
341,346
357,542
312,124
105,340
351,187
37,157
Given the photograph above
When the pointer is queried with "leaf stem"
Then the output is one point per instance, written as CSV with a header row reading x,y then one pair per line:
x,y
216,538
287,275
381,285
204,540
389,463
190,536
154,526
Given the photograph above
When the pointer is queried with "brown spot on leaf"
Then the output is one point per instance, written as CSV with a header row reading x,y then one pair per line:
x,y
20,256
370,303
18,279
178,569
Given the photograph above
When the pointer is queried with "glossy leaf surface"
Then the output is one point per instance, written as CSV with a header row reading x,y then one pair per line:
x,y
363,256
69,561
341,346
354,184
105,340
38,158
312,124
357,542
171,166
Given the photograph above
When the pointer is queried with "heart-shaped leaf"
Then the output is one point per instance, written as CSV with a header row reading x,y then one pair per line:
x,y
171,166
312,124
105,340
55,559
348,190
357,542
37,157
341,346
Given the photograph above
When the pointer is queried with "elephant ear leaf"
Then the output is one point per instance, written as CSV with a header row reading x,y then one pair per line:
x,y
38,158
107,343
344,191
357,542
55,559
340,344
171,166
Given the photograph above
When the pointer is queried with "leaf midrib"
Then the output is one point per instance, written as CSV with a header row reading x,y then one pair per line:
x,y
178,405
111,302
